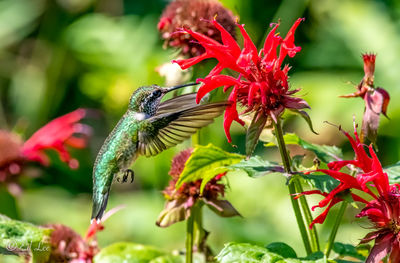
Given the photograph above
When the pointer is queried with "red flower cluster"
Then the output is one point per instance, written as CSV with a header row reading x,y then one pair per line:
x,y
384,209
180,201
55,135
262,84
69,246
193,14
376,99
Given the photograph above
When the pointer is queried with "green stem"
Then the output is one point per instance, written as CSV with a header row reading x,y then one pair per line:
x,y
291,186
196,139
335,228
198,231
312,232
189,239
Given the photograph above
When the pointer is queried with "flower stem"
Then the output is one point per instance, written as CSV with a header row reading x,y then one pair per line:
x,y
189,239
291,186
335,228
312,232
196,139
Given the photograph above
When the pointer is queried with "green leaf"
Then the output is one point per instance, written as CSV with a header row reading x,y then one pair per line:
x,y
124,252
206,162
168,259
393,172
322,182
306,117
256,167
248,253
282,249
16,236
197,258
325,153
243,252
254,131
346,250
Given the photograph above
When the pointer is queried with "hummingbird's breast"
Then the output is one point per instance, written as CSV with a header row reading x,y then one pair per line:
x,y
119,149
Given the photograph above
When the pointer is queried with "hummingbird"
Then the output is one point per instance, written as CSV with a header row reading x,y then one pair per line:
x,y
148,127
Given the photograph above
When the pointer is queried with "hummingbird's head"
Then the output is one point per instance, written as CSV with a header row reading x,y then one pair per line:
x,y
147,98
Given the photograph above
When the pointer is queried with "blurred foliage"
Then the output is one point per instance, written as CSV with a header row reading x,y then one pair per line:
x,y
58,55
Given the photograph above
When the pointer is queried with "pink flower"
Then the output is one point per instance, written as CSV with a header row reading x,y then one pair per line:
x,y
262,85
376,99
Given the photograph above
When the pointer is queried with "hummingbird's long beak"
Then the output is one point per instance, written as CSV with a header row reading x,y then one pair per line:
x,y
181,86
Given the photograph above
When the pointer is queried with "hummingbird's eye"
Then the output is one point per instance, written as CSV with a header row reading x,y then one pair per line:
x,y
157,93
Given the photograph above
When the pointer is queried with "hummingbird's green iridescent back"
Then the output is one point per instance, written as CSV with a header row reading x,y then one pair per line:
x,y
147,128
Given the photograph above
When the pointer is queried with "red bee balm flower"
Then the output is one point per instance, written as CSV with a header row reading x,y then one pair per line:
x,y
370,170
262,85
56,135
383,210
376,100
384,214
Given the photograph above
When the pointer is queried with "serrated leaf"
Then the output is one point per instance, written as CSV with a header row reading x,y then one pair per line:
x,y
256,167
206,162
306,117
322,182
393,172
347,250
325,153
125,252
244,252
254,131
209,176
282,249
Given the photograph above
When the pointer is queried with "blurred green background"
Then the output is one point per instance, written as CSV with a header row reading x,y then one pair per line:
x,y
58,55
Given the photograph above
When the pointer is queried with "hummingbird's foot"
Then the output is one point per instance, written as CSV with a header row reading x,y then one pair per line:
x,y
127,173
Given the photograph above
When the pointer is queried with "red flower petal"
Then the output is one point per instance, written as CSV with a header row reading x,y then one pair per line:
x,y
381,248
187,63
55,135
271,44
227,39
231,115
321,218
386,99
249,50
213,82
287,46
369,65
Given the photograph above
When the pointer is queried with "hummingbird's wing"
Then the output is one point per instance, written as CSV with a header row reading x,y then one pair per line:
x,y
174,122
184,101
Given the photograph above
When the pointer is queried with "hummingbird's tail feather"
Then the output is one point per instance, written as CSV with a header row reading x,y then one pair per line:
x,y
99,205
